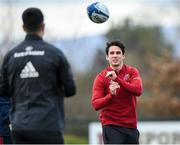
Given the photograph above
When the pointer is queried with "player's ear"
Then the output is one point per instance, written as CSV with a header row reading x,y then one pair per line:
x,y
24,28
42,27
124,56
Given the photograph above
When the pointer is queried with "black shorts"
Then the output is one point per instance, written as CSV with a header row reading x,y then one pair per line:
x,y
37,137
113,134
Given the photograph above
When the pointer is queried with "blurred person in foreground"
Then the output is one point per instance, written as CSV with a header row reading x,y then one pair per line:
x,y
114,93
5,133
37,76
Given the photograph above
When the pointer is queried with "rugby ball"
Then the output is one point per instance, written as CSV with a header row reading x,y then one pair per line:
x,y
98,12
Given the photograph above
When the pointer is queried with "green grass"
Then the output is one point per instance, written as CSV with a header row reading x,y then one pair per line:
x,y
73,139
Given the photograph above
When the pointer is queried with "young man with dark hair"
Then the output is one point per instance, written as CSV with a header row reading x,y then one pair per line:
x,y
37,77
114,93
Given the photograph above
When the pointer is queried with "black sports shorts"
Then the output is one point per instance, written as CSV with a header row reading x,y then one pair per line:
x,y
113,134
37,137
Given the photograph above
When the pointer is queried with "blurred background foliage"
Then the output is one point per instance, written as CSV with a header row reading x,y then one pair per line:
x,y
149,51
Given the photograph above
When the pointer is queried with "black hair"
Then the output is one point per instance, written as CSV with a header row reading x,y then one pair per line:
x,y
115,43
32,19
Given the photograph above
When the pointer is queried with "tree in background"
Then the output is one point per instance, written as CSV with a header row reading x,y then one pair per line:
x,y
139,40
162,94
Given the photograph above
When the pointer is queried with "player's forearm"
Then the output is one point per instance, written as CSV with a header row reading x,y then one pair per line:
x,y
135,87
102,102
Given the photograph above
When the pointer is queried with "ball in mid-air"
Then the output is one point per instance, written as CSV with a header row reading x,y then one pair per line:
x,y
98,12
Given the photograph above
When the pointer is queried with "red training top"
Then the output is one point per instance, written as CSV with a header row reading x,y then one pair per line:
x,y
119,109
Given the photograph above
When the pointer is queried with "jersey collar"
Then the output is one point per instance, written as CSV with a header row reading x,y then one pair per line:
x,y
32,37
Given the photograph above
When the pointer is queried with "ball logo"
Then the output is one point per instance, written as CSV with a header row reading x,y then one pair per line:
x,y
98,12
98,18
